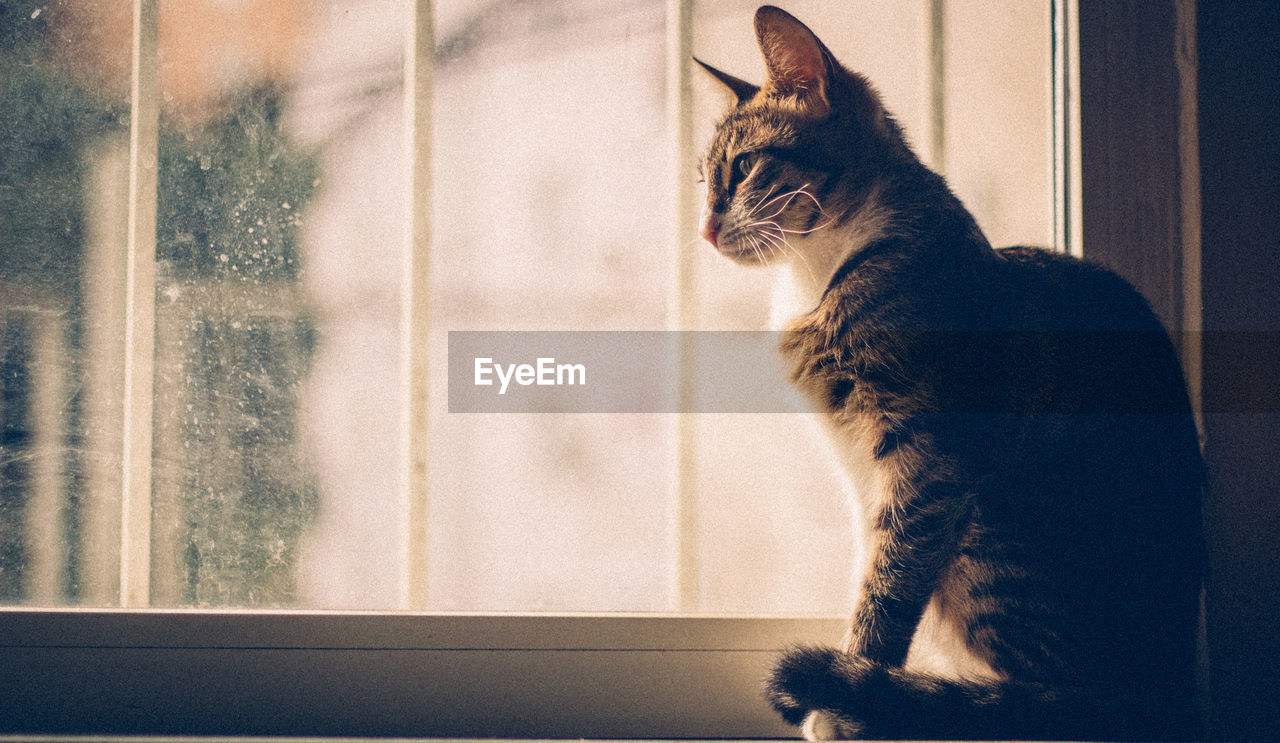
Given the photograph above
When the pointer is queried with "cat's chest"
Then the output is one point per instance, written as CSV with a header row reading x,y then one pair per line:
x,y
796,289
853,440
852,433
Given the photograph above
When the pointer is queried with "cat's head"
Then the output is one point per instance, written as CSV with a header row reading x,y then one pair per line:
x,y
795,156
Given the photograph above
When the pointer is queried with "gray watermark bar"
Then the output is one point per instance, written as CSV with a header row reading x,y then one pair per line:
x,y
744,371
616,372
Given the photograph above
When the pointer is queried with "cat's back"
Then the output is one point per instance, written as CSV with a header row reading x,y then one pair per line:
x,y
1041,289
1078,337
1074,353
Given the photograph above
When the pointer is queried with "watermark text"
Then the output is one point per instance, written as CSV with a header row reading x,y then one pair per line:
x,y
543,372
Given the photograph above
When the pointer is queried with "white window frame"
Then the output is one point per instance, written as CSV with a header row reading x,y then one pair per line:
x,y
569,676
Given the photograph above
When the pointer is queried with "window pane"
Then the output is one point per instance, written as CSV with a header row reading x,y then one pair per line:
x,y
231,492
997,113
63,80
551,213
349,103
280,465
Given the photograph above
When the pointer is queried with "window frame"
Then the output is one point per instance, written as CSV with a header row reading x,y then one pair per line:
x,y
1127,123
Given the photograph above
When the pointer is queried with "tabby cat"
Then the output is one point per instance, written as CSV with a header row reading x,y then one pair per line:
x,y
1014,422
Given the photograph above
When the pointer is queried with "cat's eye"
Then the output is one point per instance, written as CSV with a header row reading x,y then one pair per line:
x,y
743,164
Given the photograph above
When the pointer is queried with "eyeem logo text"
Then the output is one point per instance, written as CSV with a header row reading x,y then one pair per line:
x,y
544,372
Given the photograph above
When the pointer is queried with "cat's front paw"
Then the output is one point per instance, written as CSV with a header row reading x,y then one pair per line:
x,y
815,687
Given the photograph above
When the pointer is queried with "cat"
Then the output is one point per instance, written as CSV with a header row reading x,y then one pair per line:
x,y
1014,422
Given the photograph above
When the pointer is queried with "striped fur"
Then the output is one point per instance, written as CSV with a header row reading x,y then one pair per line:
x,y
1014,421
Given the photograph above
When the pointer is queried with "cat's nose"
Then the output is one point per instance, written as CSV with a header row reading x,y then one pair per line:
x,y
710,227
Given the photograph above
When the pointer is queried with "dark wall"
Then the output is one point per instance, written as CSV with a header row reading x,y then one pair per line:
x,y
1239,105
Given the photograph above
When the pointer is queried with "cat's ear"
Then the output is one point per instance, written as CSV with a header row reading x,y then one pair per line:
x,y
741,89
797,62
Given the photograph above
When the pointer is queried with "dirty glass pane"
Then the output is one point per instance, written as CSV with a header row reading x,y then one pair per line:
x,y
60,126
232,492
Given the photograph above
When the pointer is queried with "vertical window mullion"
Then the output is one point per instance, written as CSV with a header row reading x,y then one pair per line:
x,y
937,85
1187,62
1068,227
139,340
418,77
683,306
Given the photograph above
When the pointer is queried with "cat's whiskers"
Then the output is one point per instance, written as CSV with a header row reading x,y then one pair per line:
x,y
771,240
767,228
775,225
790,196
762,202
811,230
770,219
765,201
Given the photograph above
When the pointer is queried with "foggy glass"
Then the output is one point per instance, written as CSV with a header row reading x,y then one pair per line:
x,y
550,212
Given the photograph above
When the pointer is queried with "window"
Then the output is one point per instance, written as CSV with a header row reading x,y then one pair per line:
x,y
327,208
265,336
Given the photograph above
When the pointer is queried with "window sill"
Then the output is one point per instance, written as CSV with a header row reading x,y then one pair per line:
x,y
391,674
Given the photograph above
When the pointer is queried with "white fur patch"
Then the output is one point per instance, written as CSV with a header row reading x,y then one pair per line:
x,y
822,725
938,647
867,480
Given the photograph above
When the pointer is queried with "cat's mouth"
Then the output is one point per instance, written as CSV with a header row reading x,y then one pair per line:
x,y
739,244
744,252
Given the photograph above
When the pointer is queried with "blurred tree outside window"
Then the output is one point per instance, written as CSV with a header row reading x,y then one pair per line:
x,y
232,342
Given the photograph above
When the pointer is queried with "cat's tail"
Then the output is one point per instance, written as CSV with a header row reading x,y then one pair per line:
x,y
837,696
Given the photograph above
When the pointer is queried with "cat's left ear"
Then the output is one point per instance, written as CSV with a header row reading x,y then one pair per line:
x,y
741,89
798,64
